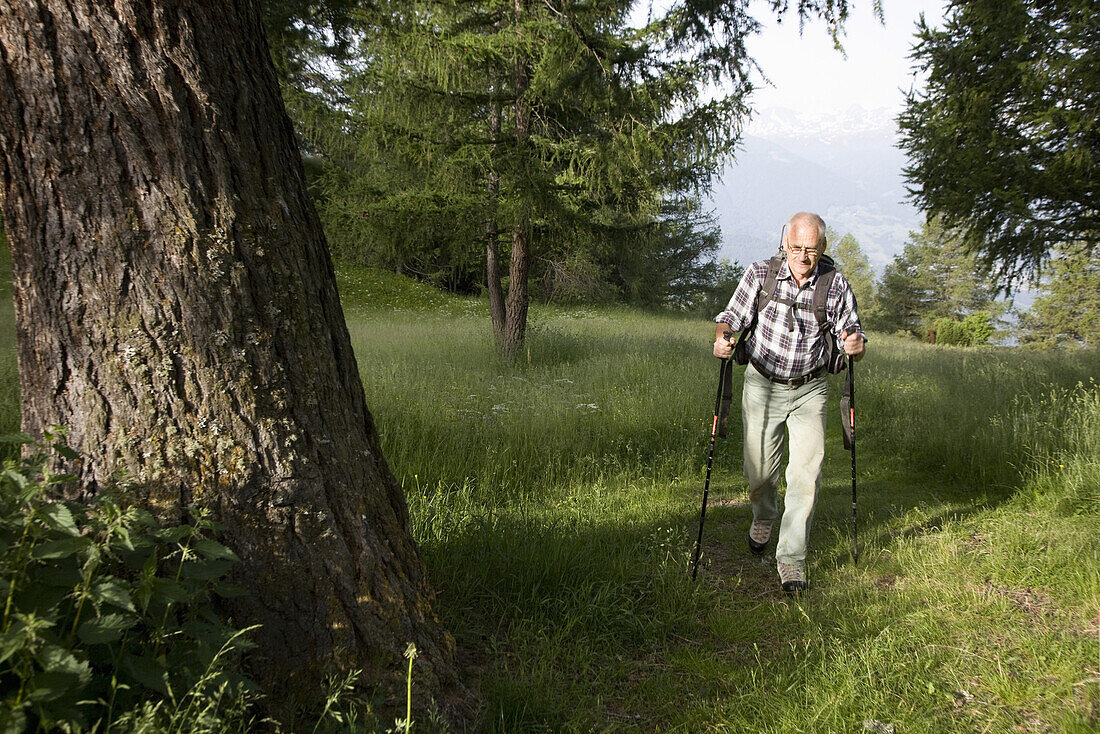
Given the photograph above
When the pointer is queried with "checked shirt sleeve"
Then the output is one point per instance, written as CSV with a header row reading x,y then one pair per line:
x,y
738,312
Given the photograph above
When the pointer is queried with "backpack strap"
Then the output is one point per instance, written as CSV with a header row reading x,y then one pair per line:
x,y
826,272
766,294
834,356
767,290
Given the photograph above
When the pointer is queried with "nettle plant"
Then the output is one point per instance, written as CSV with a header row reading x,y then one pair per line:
x,y
108,616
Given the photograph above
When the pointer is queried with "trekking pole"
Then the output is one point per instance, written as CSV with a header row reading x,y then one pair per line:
x,y
852,419
710,461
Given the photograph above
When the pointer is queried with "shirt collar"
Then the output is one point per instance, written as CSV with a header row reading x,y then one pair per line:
x,y
785,272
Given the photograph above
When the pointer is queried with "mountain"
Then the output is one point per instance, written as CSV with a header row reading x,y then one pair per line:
x,y
844,166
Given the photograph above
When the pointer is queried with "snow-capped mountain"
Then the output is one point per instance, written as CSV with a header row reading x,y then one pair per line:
x,y
781,124
844,166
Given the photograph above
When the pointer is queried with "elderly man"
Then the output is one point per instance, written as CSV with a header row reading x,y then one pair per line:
x,y
785,388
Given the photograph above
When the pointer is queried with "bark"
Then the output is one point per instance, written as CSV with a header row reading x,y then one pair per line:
x,y
177,310
515,323
492,266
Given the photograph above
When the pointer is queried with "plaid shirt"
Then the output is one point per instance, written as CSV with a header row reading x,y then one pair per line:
x,y
787,341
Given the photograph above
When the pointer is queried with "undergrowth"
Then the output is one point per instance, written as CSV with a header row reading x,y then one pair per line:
x,y
107,615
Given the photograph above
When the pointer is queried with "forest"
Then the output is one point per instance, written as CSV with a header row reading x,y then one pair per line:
x,y
356,377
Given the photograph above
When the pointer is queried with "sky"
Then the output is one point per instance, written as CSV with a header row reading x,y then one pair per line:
x,y
806,70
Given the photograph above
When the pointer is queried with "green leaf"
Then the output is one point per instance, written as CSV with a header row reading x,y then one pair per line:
x,y
174,534
65,714
32,626
147,672
169,590
17,438
206,570
145,518
12,720
60,517
65,451
11,642
114,592
149,568
65,574
228,590
141,554
105,628
52,684
42,601
58,659
215,550
19,479
123,534
62,548
212,635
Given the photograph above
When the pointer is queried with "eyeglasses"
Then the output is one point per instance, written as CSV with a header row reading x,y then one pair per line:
x,y
812,252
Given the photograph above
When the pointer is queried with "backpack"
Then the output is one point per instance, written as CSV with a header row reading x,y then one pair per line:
x,y
835,359
826,272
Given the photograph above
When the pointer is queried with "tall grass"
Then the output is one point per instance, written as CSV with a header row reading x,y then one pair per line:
x,y
555,497
580,409
985,417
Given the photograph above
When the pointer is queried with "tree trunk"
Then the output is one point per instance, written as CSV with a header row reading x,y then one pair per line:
x,y
176,309
515,325
492,266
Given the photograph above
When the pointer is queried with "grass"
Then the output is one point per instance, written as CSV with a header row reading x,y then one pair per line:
x,y
555,500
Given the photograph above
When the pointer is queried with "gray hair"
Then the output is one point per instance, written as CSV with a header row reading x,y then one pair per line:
x,y
809,219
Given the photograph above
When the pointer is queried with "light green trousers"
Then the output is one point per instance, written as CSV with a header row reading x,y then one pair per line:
x,y
775,415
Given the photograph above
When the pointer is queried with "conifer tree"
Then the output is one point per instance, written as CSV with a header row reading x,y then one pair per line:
x,y
852,261
933,277
520,126
1067,310
1003,141
523,126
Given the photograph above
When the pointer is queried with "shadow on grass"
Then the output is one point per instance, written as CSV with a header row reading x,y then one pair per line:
x,y
576,612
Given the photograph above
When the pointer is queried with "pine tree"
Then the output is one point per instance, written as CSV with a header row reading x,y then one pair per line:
x,y
1004,142
669,262
932,278
492,130
176,309
548,128
853,263
1067,310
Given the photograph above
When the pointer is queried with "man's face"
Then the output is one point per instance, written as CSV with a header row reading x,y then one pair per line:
x,y
803,251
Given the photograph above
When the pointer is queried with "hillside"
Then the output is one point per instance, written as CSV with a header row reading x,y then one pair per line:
x,y
556,498
845,168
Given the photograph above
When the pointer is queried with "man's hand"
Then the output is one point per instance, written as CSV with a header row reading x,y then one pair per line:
x,y
723,348
853,344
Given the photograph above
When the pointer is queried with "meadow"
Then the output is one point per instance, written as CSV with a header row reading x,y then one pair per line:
x,y
555,499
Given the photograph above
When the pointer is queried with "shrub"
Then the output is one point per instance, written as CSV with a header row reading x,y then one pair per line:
x,y
979,326
107,615
974,330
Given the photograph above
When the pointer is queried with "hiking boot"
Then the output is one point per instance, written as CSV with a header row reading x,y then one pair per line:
x,y
792,576
759,534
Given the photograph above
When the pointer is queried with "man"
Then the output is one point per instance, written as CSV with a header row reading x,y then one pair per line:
x,y
785,387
